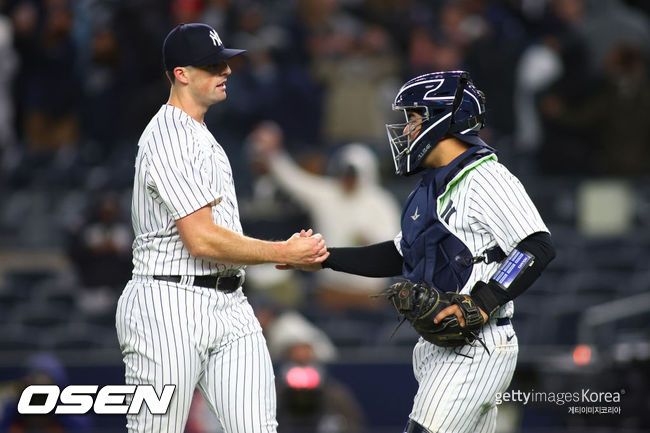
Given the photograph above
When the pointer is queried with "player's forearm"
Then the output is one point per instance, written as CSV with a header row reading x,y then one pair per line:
x,y
226,246
524,265
205,239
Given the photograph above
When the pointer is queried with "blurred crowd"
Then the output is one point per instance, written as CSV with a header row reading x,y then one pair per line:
x,y
568,96
567,85
566,80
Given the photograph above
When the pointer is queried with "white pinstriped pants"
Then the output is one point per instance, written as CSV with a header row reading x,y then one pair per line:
x,y
191,336
456,394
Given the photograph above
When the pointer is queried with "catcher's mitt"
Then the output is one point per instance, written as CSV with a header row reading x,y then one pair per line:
x,y
420,303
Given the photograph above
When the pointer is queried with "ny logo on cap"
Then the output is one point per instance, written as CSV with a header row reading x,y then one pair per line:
x,y
216,40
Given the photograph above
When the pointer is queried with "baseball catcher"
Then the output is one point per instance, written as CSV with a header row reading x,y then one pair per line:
x,y
471,242
421,303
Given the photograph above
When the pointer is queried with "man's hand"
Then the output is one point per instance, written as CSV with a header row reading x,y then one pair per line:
x,y
305,249
446,319
317,263
455,310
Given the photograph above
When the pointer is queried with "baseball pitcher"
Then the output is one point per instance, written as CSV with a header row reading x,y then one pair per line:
x,y
183,319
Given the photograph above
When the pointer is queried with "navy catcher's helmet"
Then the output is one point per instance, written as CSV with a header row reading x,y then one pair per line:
x,y
450,105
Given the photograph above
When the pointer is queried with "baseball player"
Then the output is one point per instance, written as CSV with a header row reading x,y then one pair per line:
x,y
182,319
468,226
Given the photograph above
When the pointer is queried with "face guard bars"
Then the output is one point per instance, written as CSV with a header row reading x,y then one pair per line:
x,y
401,144
399,134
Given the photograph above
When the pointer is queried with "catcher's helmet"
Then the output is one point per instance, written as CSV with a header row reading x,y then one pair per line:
x,y
450,105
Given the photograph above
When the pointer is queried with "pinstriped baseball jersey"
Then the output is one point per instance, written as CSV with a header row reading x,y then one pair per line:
x,y
489,206
180,168
456,393
176,332
196,337
483,206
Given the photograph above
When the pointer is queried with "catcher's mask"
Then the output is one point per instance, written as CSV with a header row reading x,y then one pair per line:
x,y
450,105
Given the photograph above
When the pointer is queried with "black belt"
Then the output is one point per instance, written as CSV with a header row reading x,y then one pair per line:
x,y
223,284
413,427
503,321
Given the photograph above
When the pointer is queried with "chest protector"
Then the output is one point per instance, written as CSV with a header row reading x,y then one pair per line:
x,y
433,254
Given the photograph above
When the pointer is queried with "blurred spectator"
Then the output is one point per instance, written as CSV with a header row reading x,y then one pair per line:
x,y
103,95
291,338
215,13
320,28
25,20
268,211
349,209
51,98
286,330
616,115
41,369
357,79
577,120
494,37
309,400
8,68
556,64
100,248
538,67
186,11
291,97
398,17
608,23
341,53
267,87
138,26
428,52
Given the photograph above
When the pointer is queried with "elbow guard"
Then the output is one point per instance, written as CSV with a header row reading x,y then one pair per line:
x,y
516,273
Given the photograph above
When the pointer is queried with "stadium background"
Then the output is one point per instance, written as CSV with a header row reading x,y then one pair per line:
x,y
568,93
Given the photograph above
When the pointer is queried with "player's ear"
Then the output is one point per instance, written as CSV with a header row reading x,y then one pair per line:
x,y
181,74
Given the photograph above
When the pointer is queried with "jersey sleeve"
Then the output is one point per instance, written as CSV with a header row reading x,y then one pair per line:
x,y
180,175
398,242
500,206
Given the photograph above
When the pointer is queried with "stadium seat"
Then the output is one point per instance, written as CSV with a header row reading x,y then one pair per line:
x,y
39,317
17,338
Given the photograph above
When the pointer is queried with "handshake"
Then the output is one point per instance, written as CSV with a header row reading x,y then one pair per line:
x,y
306,251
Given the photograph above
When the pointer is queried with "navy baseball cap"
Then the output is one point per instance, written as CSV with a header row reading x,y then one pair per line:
x,y
195,44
